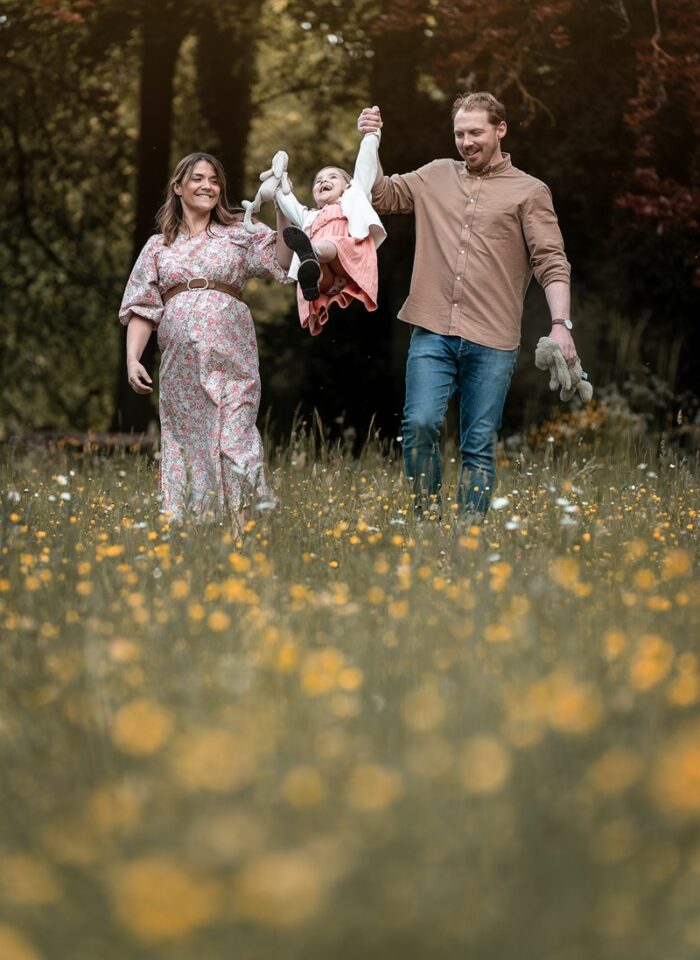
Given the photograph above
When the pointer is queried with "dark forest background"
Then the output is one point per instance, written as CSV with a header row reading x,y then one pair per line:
x,y
101,97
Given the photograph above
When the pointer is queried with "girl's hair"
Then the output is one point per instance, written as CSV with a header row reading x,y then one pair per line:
x,y
170,217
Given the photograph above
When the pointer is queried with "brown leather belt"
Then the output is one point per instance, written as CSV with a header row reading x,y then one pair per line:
x,y
200,283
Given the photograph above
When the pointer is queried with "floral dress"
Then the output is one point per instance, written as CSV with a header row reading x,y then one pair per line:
x,y
211,450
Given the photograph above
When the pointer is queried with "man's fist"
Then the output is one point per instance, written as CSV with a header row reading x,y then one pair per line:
x,y
370,120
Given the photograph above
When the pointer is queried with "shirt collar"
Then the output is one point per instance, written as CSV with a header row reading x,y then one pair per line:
x,y
493,168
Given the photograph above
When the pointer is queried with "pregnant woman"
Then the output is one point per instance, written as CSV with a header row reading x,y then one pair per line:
x,y
187,285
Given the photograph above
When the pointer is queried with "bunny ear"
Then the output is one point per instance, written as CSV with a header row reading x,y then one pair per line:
x,y
248,218
279,163
585,390
284,183
562,370
567,393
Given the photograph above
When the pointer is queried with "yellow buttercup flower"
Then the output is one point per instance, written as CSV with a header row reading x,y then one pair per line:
x,y
651,662
15,946
141,727
484,766
216,760
303,787
279,889
218,621
677,563
372,787
675,776
157,899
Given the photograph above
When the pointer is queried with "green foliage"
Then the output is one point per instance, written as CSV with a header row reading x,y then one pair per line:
x,y
297,73
64,154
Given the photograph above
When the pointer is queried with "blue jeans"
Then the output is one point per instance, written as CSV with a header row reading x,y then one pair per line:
x,y
437,367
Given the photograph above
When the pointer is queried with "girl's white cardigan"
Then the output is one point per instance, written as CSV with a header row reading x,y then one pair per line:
x,y
355,201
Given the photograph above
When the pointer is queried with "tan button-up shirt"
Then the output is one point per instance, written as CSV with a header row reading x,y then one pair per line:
x,y
479,239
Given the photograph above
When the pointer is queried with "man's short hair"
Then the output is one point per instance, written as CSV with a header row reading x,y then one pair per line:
x,y
480,101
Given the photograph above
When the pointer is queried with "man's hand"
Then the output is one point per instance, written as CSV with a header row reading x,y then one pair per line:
x,y
370,120
139,381
565,341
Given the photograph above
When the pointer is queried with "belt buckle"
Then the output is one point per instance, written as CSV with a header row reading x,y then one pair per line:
x,y
197,283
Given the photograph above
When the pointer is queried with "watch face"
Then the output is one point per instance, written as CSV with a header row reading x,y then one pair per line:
x,y
568,324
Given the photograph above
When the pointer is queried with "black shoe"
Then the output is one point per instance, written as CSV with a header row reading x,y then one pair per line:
x,y
309,272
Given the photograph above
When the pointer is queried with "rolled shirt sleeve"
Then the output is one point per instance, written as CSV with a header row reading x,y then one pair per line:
x,y
543,238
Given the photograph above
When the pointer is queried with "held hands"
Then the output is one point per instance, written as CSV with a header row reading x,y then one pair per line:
x,y
271,180
139,381
370,120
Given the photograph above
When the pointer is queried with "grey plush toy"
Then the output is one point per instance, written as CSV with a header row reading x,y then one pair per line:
x,y
271,179
568,380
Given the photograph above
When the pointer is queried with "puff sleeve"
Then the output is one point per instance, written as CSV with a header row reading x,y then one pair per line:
x,y
261,258
142,297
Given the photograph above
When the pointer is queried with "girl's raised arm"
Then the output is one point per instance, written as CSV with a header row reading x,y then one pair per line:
x,y
367,162
290,207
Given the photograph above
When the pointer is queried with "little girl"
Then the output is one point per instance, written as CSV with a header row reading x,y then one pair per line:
x,y
335,242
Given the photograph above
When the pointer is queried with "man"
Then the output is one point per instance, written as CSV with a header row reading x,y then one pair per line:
x,y
483,227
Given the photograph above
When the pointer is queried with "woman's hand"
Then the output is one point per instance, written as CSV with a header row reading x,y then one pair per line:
x,y
139,381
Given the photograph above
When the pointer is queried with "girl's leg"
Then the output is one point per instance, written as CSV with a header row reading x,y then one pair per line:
x,y
309,272
330,273
325,250
331,267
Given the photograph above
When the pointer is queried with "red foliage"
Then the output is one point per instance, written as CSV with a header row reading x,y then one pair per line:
x,y
668,66
495,44
66,10
501,32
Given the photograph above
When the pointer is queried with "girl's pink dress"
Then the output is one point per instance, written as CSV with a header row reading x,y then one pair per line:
x,y
359,262
211,451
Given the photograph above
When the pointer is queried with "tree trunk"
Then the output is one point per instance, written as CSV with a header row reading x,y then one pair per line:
x,y
226,72
393,89
161,43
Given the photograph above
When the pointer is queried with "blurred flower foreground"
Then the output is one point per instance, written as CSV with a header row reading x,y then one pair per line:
x,y
352,734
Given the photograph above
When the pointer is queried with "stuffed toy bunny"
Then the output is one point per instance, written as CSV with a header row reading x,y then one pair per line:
x,y
271,179
568,380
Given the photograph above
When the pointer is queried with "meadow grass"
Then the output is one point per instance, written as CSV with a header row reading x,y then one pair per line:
x,y
353,734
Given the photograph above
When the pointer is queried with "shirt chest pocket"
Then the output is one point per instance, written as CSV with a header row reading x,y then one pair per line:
x,y
497,221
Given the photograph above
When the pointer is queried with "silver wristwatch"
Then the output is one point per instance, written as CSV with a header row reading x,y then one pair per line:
x,y
567,323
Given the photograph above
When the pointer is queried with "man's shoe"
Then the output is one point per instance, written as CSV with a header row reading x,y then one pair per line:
x,y
309,272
